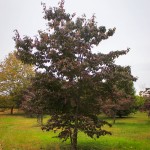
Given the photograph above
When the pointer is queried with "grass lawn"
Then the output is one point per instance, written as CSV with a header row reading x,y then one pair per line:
x,y
21,133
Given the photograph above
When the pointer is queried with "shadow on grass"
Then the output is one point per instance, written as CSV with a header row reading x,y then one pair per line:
x,y
11,115
117,117
83,144
148,122
86,146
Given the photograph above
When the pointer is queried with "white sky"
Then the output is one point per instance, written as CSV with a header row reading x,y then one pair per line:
x,y
130,17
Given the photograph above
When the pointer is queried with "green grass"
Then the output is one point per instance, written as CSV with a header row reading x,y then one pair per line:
x,y
21,133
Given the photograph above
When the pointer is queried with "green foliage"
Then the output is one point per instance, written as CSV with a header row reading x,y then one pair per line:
x,y
121,100
14,78
139,102
6,102
71,81
146,105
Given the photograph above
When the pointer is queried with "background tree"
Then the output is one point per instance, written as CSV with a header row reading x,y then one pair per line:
x,y
139,102
5,102
14,77
146,105
33,103
70,77
121,100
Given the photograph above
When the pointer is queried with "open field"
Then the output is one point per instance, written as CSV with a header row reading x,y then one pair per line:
x,y
18,132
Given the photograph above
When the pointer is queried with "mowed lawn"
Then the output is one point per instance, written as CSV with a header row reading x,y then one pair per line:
x,y
18,132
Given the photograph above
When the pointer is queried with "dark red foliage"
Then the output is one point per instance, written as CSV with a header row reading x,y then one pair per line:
x,y
71,80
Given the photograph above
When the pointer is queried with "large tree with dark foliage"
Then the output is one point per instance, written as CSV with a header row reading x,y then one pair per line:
x,y
71,80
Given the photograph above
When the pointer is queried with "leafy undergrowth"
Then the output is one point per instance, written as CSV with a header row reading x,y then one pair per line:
x,y
18,132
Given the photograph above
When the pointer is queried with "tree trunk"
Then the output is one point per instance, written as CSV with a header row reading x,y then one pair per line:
x,y
114,119
120,116
75,131
12,110
74,139
40,119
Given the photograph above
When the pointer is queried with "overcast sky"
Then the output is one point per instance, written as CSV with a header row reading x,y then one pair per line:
x,y
130,17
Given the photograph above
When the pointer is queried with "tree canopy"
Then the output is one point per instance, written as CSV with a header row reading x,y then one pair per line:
x,y
122,95
14,77
146,105
71,80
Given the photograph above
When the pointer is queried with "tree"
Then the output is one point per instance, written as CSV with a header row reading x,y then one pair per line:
x,y
5,102
70,78
122,94
14,77
146,105
32,104
139,102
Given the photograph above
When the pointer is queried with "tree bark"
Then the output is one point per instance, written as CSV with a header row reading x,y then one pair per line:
x,y
40,119
114,116
75,131
74,138
114,119
12,110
